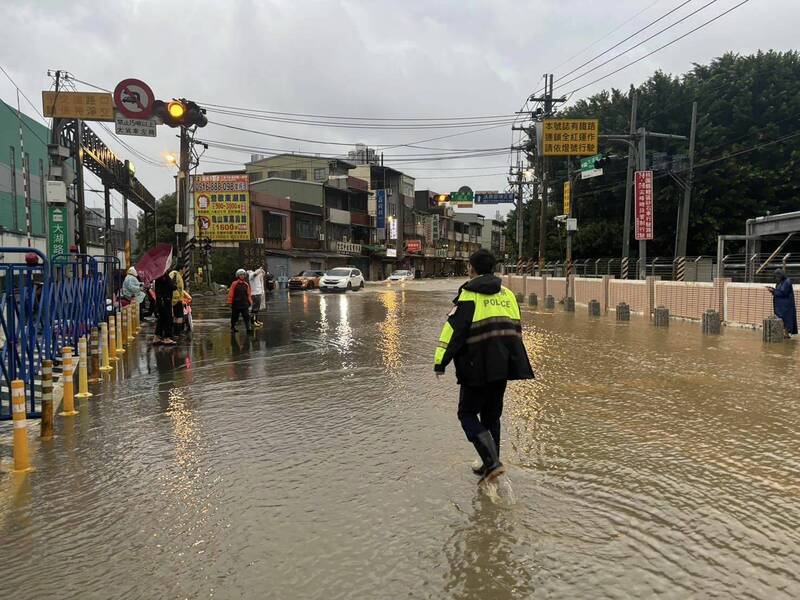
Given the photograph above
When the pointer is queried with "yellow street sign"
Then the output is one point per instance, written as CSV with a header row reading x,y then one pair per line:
x,y
567,197
89,106
570,137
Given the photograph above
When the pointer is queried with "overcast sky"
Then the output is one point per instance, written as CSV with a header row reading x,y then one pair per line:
x,y
368,58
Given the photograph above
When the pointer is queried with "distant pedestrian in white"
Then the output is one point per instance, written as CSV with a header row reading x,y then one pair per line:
x,y
257,289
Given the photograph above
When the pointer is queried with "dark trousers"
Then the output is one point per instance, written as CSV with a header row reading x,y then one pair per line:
x,y
480,408
244,312
164,320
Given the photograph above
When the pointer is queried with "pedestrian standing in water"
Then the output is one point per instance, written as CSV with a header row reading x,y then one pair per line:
x,y
257,291
240,299
164,287
783,302
483,338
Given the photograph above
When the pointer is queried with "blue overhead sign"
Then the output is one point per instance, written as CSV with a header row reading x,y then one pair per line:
x,y
380,209
494,198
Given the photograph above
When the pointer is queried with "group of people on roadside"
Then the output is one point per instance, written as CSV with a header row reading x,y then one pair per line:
x,y
170,298
245,297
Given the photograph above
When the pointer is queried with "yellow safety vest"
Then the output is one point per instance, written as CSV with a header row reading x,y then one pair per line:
x,y
495,315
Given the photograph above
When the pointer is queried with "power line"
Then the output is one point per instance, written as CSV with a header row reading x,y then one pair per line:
x,y
688,33
19,89
644,41
613,31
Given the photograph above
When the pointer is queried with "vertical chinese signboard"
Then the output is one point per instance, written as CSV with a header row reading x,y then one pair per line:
x,y
57,229
644,205
567,197
380,209
570,137
222,207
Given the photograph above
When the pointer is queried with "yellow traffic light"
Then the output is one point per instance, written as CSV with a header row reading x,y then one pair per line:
x,y
176,109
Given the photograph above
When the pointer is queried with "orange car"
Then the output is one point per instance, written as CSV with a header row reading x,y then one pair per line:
x,y
305,280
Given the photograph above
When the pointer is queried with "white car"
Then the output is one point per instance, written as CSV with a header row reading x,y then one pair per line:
x,y
341,279
401,276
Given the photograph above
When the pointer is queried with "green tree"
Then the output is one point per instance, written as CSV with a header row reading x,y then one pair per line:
x,y
743,102
165,219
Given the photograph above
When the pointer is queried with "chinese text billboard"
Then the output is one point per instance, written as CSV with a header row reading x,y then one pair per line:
x,y
570,137
644,205
222,207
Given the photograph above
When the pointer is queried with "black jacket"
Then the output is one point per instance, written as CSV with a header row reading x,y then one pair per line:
x,y
487,346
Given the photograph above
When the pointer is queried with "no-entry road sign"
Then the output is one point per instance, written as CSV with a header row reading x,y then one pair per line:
x,y
134,99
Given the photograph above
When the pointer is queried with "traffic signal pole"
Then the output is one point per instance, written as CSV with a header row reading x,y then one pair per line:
x,y
182,216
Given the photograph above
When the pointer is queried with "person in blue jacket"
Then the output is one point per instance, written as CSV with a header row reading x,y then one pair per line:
x,y
783,302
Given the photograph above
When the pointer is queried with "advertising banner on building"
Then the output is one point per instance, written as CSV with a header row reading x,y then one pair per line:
x,y
413,246
643,192
222,207
380,209
435,226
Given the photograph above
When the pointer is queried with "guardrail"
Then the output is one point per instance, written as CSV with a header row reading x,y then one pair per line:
x,y
45,306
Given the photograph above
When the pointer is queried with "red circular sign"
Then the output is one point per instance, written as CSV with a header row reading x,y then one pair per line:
x,y
134,99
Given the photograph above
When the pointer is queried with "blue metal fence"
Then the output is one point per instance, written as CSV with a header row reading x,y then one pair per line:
x,y
74,299
44,306
24,322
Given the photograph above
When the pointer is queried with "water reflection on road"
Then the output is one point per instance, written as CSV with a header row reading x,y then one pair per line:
x,y
319,459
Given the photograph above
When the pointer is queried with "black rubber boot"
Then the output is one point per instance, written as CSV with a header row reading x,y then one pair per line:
x,y
487,449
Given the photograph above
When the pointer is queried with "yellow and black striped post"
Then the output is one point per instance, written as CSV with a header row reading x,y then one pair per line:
x,y
94,356
680,268
22,462
47,400
624,268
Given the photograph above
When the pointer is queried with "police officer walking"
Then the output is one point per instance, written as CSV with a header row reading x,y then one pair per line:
x,y
483,338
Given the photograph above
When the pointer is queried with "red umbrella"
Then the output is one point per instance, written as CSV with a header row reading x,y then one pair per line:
x,y
154,263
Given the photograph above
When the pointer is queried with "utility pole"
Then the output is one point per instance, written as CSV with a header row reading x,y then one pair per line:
x,y
568,200
549,104
626,227
520,215
683,211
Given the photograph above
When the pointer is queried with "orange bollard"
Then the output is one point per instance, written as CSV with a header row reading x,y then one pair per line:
x,y
104,366
22,462
120,340
69,391
112,339
83,370
131,324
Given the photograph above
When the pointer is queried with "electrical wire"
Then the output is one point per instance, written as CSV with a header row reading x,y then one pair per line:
x,y
637,45
670,43
19,89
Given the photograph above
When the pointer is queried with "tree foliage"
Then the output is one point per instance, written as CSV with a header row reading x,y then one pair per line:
x,y
744,167
165,219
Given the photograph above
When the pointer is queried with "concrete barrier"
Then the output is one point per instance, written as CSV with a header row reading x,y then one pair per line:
x,y
623,312
661,316
712,322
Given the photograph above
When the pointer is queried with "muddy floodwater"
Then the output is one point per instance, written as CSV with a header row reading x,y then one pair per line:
x,y
321,459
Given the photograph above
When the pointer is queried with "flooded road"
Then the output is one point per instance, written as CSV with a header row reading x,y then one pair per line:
x,y
320,459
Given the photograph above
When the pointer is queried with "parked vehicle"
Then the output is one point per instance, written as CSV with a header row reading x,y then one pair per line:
x,y
306,280
341,279
401,275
